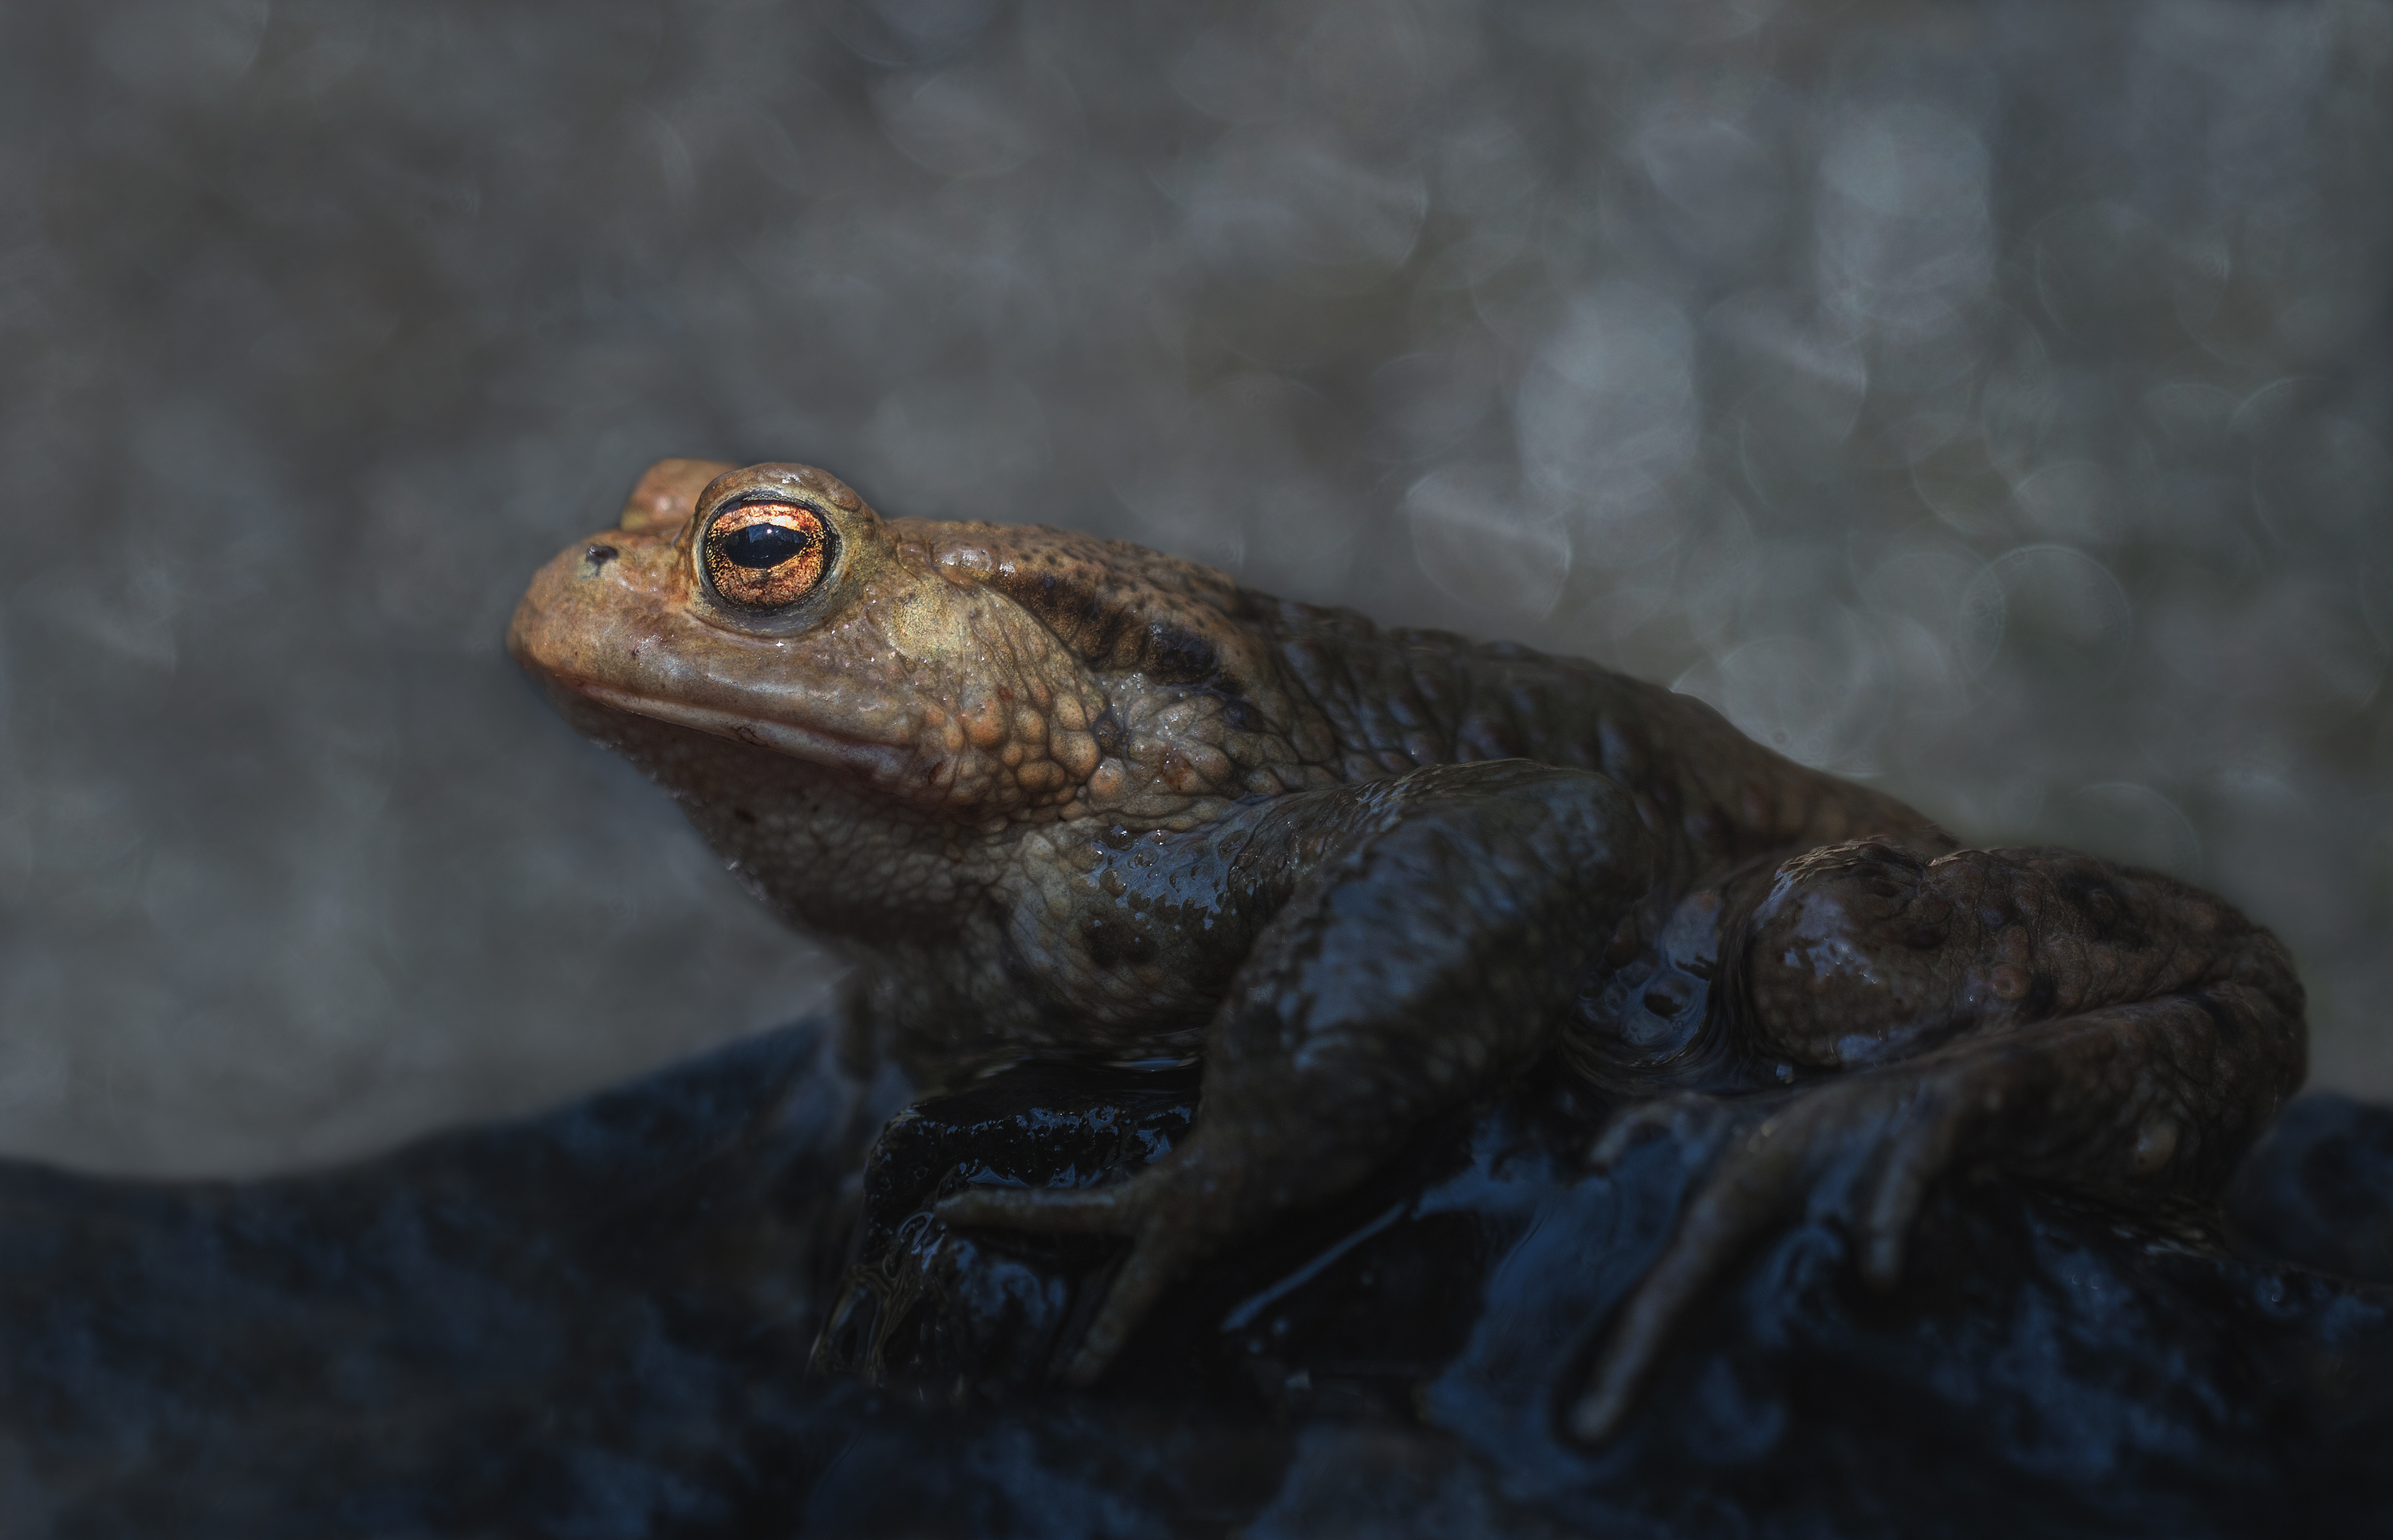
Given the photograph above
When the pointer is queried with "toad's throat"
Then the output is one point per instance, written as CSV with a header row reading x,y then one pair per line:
x,y
811,744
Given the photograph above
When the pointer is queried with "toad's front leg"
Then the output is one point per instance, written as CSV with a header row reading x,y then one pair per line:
x,y
1426,933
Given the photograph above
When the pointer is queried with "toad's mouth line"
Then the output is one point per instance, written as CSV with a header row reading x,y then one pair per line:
x,y
810,744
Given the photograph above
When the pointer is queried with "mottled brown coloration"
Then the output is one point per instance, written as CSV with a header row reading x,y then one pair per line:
x,y
1069,796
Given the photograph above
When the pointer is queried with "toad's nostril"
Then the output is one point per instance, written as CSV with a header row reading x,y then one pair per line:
x,y
599,556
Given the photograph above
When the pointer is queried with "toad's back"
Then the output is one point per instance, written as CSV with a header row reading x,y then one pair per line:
x,y
1397,699
1295,694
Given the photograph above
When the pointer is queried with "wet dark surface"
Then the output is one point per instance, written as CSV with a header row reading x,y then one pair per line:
x,y
599,1324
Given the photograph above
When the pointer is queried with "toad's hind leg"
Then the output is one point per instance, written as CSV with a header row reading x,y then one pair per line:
x,y
1427,932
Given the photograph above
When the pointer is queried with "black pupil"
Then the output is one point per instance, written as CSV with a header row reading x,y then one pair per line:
x,y
761,545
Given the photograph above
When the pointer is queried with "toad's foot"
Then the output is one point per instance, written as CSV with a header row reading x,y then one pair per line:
x,y
1164,1211
2144,1106
1882,1137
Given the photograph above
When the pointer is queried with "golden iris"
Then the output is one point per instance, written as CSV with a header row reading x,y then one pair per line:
x,y
763,555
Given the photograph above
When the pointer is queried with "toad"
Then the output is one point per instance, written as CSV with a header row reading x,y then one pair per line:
x,y
1068,797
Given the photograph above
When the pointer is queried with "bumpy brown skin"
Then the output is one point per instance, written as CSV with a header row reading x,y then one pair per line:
x,y
1069,796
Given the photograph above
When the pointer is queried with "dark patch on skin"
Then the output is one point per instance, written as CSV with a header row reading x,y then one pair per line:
x,y
2040,996
1178,656
1115,626
1114,940
1069,605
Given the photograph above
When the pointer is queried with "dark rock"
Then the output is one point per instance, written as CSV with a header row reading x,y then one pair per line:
x,y
599,1324
2318,1191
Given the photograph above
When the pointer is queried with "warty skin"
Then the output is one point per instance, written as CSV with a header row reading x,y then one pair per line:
x,y
1068,797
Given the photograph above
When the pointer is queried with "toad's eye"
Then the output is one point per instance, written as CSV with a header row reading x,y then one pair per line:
x,y
763,555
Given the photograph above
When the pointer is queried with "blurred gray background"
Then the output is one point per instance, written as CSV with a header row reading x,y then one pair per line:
x,y
1990,398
